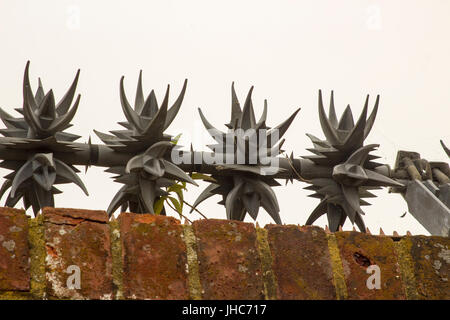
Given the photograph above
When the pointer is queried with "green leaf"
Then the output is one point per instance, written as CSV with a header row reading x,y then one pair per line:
x,y
159,205
201,176
176,204
175,188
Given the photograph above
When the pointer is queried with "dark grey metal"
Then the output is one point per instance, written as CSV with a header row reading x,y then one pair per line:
x,y
150,170
426,191
242,186
427,208
447,150
38,134
353,170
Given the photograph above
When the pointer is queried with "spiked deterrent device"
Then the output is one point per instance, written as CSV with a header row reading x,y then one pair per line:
x,y
246,160
246,187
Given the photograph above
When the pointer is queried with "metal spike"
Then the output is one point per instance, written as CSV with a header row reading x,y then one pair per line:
x,y
372,117
66,172
317,212
332,112
355,138
236,111
327,127
27,93
447,151
62,122
346,122
247,119
156,126
63,105
139,100
130,114
395,234
381,232
367,230
173,111
280,129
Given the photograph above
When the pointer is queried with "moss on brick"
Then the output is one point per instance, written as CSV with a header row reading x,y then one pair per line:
x,y
195,287
359,251
36,242
338,270
403,249
116,252
270,282
431,262
16,295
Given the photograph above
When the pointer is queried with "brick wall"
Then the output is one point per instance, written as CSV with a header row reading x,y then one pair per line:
x,y
80,254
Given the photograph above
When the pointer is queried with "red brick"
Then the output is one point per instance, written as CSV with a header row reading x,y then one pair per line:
x,y
81,238
14,252
229,264
301,262
154,257
431,262
358,252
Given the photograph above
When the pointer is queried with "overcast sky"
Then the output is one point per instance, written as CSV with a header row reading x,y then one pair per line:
x,y
287,49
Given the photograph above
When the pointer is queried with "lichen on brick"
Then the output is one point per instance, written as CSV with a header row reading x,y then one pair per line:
x,y
358,251
116,252
37,254
431,265
338,268
270,282
195,287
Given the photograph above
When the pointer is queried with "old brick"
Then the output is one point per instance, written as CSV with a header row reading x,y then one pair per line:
x,y
75,239
229,264
358,252
431,264
154,257
14,252
301,262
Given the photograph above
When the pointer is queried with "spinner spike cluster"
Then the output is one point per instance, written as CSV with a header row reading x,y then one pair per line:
x,y
354,172
146,175
41,132
246,187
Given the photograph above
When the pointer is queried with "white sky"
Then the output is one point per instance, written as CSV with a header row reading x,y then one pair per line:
x,y
287,49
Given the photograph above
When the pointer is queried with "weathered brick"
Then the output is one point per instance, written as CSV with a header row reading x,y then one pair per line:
x,y
301,262
229,264
77,238
154,257
431,265
14,252
358,252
